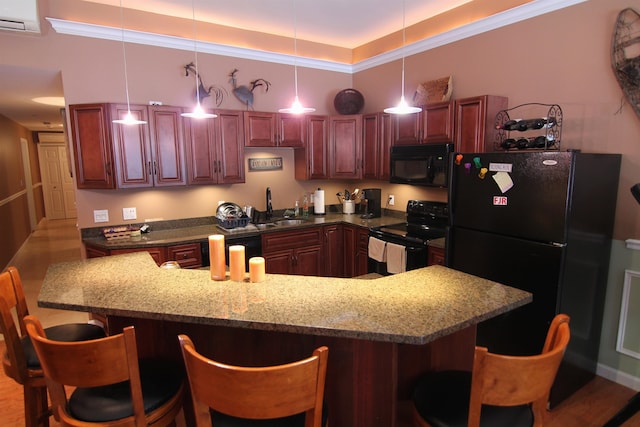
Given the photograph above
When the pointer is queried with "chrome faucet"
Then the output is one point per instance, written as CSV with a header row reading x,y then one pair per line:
x,y
269,205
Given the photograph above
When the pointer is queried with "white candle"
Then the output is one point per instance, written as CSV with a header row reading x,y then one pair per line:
x,y
217,262
237,267
256,269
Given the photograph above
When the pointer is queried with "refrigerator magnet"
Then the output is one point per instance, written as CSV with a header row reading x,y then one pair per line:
x,y
503,180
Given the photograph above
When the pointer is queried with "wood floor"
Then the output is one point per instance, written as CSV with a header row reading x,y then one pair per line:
x,y
57,241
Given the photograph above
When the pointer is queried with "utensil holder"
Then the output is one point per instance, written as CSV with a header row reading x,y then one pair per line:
x,y
348,206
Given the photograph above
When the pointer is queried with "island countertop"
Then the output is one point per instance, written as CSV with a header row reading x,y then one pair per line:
x,y
415,307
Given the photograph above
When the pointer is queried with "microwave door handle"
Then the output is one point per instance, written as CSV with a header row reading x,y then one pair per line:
x,y
431,174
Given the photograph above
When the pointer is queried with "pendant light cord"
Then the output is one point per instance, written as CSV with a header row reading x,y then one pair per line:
x,y
404,40
124,56
295,48
195,47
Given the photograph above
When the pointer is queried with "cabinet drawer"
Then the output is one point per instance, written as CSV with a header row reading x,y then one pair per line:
x,y
291,239
188,256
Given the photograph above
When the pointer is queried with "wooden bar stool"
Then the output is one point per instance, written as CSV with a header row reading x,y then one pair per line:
x,y
112,387
501,391
283,395
19,360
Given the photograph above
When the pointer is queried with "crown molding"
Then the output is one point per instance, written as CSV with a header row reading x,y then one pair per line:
x,y
511,16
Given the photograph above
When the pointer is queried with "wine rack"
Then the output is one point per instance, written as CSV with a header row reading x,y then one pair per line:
x,y
531,126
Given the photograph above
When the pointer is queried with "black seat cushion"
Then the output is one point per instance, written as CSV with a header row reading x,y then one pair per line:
x,y
223,420
442,399
160,381
68,332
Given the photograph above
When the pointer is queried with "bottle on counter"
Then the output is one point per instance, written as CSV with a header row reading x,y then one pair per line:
x,y
296,209
305,206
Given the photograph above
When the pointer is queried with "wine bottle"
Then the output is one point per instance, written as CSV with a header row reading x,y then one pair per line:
x,y
508,143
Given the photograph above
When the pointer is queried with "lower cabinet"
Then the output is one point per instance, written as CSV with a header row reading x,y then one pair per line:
x,y
297,252
356,240
334,250
187,255
435,256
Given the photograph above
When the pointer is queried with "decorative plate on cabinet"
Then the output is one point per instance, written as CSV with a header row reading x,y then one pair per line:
x,y
348,101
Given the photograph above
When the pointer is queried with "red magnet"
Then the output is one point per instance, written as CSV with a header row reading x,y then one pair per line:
x,y
458,159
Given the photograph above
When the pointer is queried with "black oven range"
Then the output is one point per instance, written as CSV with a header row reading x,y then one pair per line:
x,y
426,220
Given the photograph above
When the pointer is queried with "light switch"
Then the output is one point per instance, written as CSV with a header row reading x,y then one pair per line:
x,y
101,216
129,213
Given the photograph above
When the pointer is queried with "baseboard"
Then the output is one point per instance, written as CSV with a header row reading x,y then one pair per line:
x,y
618,377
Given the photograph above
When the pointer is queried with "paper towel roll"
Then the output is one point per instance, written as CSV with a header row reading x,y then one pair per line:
x,y
318,202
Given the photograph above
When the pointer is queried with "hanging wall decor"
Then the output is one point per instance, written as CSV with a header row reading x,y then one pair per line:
x,y
625,55
245,93
203,91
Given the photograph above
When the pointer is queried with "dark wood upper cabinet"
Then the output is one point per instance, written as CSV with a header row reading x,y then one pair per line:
x,y
377,138
215,149
434,124
150,155
263,129
311,161
91,136
345,147
475,122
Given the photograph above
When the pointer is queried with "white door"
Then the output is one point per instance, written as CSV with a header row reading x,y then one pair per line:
x,y
59,201
28,183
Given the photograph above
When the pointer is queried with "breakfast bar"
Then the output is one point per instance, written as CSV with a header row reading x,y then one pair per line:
x,y
381,332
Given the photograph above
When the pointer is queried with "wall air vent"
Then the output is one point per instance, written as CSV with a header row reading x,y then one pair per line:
x,y
19,15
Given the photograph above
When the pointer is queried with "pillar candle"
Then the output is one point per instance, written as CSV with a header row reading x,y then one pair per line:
x,y
237,267
217,262
256,269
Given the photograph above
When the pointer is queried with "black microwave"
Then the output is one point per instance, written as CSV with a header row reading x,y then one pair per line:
x,y
425,164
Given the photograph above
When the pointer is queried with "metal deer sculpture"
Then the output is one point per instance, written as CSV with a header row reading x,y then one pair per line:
x,y
203,92
245,93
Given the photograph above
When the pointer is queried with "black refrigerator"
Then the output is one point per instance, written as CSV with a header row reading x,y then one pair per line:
x,y
541,222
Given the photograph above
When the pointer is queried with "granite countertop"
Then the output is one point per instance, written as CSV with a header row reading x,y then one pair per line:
x,y
415,307
197,230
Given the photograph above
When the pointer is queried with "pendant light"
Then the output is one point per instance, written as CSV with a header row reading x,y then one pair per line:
x,y
198,112
128,118
296,107
403,107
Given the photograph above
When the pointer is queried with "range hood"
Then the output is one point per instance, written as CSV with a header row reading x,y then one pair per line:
x,y
19,15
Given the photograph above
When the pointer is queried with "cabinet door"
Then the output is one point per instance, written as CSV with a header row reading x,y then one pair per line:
x,y
134,165
167,146
333,251
280,262
408,129
377,138
91,136
308,261
291,130
370,146
438,122
474,122
93,252
349,248
345,147
259,129
188,255
311,162
200,148
435,256
230,147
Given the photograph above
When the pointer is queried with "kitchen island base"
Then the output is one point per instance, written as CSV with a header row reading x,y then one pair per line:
x,y
368,382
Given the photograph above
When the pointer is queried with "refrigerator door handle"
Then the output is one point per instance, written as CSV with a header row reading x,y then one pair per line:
x,y
558,245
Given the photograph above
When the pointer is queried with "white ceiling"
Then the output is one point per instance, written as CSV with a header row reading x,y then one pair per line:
x,y
343,23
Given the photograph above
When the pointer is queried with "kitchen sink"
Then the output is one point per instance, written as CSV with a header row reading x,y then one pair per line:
x,y
280,223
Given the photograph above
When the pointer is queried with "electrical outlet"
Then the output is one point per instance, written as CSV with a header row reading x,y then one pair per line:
x,y
101,216
129,213
392,200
